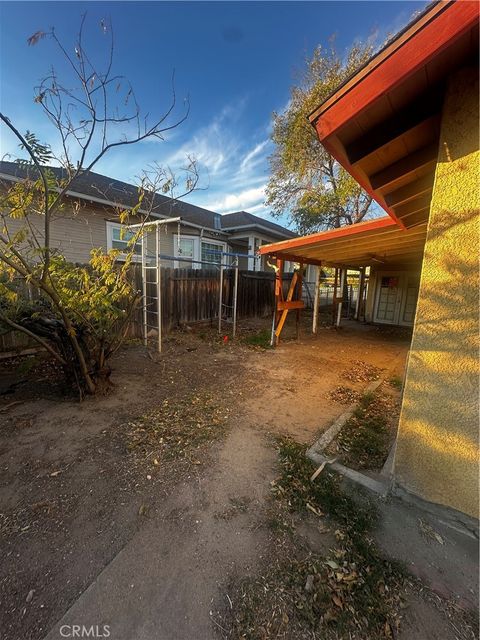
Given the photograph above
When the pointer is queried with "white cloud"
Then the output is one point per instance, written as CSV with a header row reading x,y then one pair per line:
x,y
254,155
232,162
213,145
245,200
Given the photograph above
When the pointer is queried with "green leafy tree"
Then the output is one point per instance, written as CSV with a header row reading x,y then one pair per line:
x,y
306,182
78,313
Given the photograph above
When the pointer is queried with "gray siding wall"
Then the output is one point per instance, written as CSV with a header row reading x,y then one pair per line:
x,y
75,234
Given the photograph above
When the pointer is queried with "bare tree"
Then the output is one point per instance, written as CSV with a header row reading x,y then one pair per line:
x,y
82,312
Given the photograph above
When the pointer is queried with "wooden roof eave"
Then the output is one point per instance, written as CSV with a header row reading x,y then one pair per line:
x,y
359,248
382,125
426,37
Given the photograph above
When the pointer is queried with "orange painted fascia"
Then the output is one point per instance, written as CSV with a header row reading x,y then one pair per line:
x,y
449,20
305,241
445,27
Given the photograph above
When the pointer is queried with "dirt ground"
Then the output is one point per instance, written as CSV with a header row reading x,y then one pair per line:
x,y
99,520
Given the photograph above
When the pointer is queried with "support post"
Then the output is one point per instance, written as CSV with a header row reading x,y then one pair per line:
x,y
251,251
278,297
343,273
361,284
300,289
285,305
316,301
144,288
235,296
220,299
159,290
334,298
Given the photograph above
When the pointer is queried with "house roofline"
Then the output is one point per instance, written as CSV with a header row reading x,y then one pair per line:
x,y
256,226
111,203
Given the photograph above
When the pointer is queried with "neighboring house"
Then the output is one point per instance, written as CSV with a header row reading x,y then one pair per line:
x,y
405,126
76,231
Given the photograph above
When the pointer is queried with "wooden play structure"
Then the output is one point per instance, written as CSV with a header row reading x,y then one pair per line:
x,y
292,302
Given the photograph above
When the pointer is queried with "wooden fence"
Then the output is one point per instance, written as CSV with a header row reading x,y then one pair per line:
x,y
192,295
188,296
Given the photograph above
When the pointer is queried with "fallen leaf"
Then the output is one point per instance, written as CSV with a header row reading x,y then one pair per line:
x,y
317,512
309,583
438,537
350,577
332,564
337,601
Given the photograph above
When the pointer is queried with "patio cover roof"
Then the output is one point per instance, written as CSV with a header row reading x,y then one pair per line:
x,y
383,126
379,241
383,123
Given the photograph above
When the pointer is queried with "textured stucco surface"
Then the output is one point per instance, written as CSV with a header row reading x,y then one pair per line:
x,y
437,448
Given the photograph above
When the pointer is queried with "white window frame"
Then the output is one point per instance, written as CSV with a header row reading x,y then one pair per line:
x,y
109,232
223,247
197,249
179,264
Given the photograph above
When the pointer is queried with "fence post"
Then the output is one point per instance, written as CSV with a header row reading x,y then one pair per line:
x,y
316,301
159,288
235,295
220,300
343,273
144,289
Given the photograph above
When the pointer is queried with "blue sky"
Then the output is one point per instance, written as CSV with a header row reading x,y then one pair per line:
x,y
235,60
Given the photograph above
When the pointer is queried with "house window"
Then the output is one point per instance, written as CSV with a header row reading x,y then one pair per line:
x,y
185,249
198,250
118,238
212,252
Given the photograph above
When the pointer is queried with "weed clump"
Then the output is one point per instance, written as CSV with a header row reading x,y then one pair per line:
x,y
363,442
260,340
353,592
177,429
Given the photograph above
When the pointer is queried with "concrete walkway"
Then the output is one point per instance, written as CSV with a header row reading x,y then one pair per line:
x,y
170,578
163,584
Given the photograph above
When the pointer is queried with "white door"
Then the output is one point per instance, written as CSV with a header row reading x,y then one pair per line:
x,y
389,298
396,298
409,300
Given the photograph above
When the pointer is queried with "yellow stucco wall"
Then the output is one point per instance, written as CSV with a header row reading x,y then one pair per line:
x,y
437,448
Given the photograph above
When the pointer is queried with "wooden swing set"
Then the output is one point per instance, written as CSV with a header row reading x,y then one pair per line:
x,y
293,301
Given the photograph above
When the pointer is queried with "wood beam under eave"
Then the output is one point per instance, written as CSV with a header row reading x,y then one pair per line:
x,y
419,204
424,158
425,108
365,252
410,191
417,218
295,258
384,240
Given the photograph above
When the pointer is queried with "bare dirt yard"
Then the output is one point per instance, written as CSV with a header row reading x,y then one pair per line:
x,y
180,505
